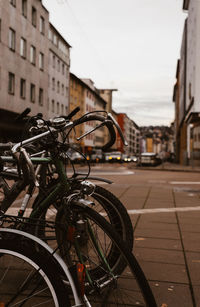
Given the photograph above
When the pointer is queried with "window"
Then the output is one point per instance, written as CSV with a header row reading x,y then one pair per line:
x,y
33,55
24,8
32,93
54,60
41,61
53,84
50,35
11,42
58,65
58,108
58,87
52,106
63,69
34,16
11,83
55,39
23,47
63,89
23,88
42,25
13,2
62,109
41,97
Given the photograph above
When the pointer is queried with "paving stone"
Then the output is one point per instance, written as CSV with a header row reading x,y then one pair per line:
x,y
157,243
171,294
159,226
191,241
196,290
190,227
193,260
159,255
166,217
154,233
164,272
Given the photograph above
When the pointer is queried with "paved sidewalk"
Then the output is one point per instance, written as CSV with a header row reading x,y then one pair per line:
x,y
167,244
167,166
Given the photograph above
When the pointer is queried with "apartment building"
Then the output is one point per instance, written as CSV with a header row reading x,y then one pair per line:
x,y
58,74
23,60
131,133
34,65
84,94
187,91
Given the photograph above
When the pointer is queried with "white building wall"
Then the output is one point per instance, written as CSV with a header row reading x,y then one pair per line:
x,y
59,66
22,68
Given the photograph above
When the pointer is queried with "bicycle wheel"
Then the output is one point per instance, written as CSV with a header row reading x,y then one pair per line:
x,y
28,277
104,202
98,246
108,205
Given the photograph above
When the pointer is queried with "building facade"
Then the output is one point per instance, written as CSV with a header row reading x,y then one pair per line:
x,y
58,74
24,59
187,91
83,94
34,64
131,133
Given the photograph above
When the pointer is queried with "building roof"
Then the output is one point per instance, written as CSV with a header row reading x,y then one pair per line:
x,y
84,84
58,33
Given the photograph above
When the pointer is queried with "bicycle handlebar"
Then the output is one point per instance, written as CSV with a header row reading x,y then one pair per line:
x,y
118,129
107,123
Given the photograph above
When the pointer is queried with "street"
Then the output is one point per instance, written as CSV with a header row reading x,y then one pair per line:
x,y
165,211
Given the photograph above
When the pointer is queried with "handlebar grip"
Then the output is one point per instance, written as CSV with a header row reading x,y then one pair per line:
x,y
72,113
23,114
108,124
6,146
112,133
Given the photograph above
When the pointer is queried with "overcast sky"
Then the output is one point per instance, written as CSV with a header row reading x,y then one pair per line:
x,y
130,45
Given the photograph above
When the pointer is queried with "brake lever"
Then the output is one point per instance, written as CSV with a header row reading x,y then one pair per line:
x,y
118,128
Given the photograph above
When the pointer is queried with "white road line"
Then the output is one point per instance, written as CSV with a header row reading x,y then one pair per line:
x,y
14,210
184,182
163,210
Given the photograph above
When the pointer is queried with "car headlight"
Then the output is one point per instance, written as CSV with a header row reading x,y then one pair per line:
x,y
118,158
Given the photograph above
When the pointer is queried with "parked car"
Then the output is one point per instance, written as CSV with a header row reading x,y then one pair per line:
x,y
126,158
75,156
133,159
97,156
114,156
150,158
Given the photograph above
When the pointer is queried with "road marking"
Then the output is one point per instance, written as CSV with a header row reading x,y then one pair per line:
x,y
112,173
184,182
163,210
14,210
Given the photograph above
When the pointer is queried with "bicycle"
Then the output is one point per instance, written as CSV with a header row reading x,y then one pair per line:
x,y
105,201
28,273
78,239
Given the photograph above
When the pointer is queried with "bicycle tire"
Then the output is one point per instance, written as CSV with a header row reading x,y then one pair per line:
x,y
101,272
28,276
105,203
109,205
